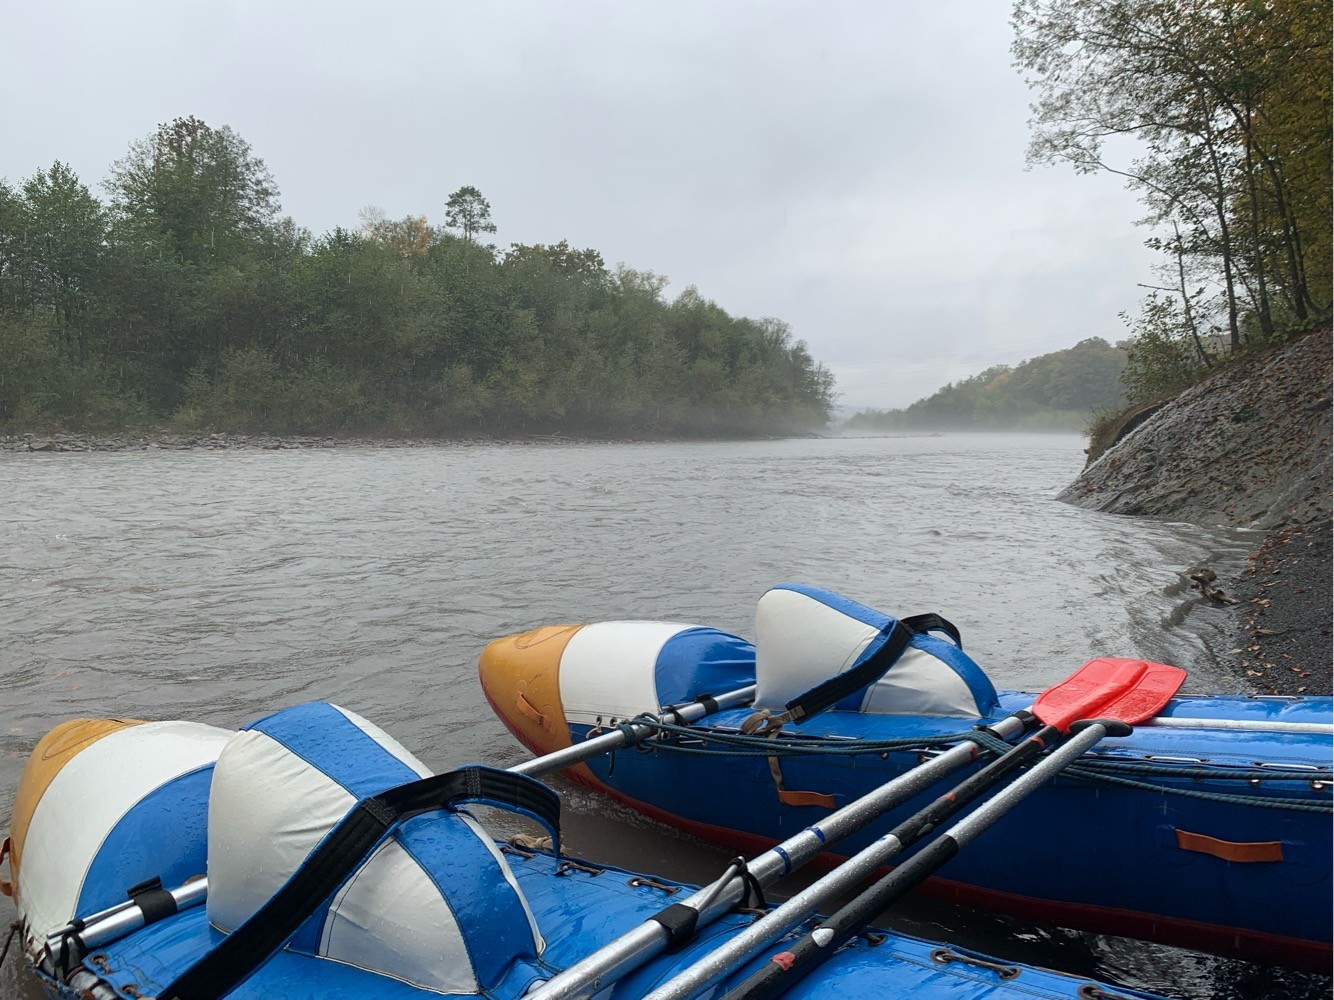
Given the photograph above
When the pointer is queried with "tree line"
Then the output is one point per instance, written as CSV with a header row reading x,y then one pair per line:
x,y
187,297
1053,392
1217,112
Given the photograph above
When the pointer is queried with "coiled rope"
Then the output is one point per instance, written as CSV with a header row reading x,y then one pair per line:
x,y
1118,773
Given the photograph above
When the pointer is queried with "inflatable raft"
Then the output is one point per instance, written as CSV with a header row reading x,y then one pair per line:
x,y
310,855
1208,828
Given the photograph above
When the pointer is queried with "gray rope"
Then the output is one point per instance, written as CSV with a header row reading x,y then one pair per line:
x,y
1085,773
1095,771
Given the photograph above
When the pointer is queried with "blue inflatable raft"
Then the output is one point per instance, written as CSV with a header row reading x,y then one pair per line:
x,y
1208,828
177,860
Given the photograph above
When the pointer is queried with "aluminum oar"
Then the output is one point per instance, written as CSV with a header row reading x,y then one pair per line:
x,y
1089,688
691,711
678,922
1148,692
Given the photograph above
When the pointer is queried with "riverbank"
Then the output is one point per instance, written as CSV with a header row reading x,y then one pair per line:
x,y
1249,446
166,441
170,441
1283,627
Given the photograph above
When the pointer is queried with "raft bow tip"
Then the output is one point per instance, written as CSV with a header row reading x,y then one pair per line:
x,y
520,676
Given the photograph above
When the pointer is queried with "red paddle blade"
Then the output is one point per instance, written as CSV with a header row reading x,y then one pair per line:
x,y
1110,688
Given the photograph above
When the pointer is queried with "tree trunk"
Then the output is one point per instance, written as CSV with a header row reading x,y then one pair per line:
x,y
1261,286
1185,301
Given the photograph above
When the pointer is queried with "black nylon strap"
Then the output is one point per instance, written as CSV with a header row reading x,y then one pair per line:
x,y
932,622
754,898
154,902
338,855
838,687
679,921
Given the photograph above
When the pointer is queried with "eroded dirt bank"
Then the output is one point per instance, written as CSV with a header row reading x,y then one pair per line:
x,y
1248,446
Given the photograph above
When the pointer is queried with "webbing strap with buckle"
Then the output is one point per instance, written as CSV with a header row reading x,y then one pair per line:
x,y
339,855
835,689
863,675
838,687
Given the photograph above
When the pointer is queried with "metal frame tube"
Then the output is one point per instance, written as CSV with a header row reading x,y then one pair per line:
x,y
113,924
1248,725
581,752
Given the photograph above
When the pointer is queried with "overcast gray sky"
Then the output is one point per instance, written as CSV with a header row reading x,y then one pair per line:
x,y
855,169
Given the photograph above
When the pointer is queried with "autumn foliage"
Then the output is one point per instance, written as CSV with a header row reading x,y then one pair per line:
x,y
1218,113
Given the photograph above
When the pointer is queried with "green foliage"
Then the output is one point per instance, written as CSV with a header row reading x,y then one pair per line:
x,y
43,387
189,299
1055,391
56,231
1160,360
194,191
1228,104
468,212
1098,427
251,391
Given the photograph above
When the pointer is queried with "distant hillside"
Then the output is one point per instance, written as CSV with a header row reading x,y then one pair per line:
x,y
1056,391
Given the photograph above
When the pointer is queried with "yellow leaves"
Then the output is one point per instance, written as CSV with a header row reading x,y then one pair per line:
x,y
411,235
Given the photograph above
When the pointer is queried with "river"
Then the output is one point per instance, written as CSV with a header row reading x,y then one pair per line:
x,y
218,586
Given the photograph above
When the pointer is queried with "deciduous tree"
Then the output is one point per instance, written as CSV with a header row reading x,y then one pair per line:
x,y
196,191
1217,111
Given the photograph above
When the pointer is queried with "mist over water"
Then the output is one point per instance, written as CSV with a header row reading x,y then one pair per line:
x,y
220,586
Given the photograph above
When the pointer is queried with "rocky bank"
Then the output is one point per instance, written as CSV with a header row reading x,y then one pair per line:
x,y
158,440
1250,446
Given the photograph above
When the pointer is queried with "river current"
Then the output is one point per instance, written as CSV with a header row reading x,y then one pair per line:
x,y
218,586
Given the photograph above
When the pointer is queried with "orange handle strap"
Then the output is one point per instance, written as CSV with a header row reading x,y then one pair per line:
x,y
806,799
791,798
1228,850
532,712
6,887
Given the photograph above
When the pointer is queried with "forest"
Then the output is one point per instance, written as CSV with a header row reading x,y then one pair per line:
x,y
186,299
1217,113
1052,392
183,297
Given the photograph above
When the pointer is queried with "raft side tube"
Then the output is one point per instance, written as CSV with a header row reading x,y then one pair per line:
x,y
109,804
542,682
434,904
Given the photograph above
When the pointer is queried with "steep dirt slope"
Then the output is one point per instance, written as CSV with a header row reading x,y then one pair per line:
x,y
1248,446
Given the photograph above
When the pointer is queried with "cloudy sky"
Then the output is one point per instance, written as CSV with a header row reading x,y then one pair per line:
x,y
855,169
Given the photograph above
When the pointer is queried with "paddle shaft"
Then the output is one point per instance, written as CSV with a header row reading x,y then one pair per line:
x,y
1243,725
777,922
610,963
787,968
616,738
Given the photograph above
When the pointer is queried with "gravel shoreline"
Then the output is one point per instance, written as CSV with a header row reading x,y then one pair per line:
x,y
167,441
1284,616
